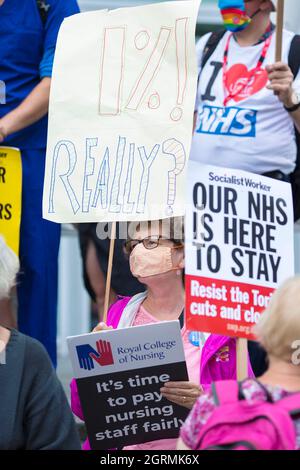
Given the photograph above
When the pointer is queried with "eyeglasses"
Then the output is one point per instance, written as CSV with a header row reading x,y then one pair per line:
x,y
149,243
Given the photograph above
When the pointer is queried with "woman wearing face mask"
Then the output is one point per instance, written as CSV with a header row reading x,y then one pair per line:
x,y
156,257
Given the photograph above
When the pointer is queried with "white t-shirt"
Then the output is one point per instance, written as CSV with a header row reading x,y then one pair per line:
x,y
253,132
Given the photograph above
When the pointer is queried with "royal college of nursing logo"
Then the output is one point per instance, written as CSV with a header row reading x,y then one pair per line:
x,y
88,356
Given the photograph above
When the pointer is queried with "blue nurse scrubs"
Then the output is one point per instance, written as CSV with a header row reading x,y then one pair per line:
x,y
27,46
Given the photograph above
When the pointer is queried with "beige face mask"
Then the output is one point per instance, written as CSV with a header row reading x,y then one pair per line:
x,y
144,263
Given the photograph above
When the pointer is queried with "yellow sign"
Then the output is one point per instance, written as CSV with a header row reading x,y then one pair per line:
x,y
10,196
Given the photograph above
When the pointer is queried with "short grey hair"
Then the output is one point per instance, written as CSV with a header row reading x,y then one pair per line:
x,y
9,267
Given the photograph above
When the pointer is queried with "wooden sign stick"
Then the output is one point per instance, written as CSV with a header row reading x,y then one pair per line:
x,y
279,29
109,269
242,358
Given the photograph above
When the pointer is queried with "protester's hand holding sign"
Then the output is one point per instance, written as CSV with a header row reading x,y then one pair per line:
x,y
182,393
101,327
281,82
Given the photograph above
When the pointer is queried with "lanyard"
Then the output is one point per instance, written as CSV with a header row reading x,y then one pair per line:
x,y
241,87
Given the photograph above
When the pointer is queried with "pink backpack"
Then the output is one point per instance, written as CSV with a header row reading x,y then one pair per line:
x,y
239,425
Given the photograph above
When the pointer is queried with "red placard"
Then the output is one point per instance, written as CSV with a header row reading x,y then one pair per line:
x,y
224,307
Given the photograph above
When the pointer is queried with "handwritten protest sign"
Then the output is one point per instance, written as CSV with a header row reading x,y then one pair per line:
x,y
10,196
119,375
239,247
121,114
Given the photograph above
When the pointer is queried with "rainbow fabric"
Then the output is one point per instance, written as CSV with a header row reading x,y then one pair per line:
x,y
234,14
234,19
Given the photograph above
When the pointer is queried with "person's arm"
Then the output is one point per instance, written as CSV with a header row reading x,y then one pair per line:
x,y
182,393
31,110
282,83
296,117
35,105
181,445
48,421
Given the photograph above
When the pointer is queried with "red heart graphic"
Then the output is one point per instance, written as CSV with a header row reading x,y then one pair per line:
x,y
242,83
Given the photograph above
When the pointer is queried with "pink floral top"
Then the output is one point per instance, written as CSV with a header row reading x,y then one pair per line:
x,y
205,406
